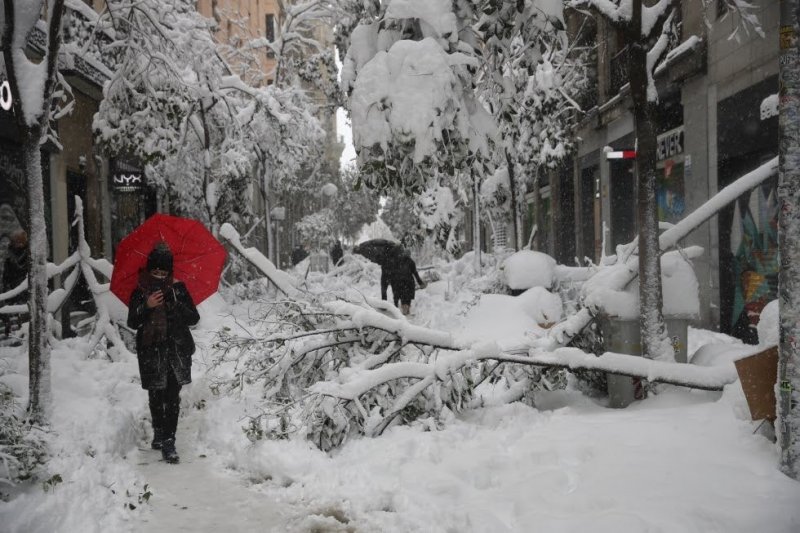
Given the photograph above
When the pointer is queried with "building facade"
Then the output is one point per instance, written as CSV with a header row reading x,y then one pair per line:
x,y
711,131
75,166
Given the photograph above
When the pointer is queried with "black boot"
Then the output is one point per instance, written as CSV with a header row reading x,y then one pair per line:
x,y
168,451
158,439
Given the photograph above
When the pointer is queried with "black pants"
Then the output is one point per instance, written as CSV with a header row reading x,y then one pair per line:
x,y
165,406
402,290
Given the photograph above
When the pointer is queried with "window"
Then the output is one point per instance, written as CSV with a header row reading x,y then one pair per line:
x,y
269,32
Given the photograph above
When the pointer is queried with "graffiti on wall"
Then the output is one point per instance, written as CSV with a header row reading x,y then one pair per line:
x,y
670,193
673,166
754,245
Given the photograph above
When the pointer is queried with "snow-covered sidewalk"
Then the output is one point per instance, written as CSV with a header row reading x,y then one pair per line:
x,y
196,495
681,461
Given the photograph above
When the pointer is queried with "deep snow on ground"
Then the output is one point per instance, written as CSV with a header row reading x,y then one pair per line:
x,y
97,415
680,461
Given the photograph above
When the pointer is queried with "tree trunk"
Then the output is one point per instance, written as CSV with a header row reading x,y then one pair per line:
x,y
208,190
38,345
655,343
33,127
537,213
269,225
512,184
788,408
476,222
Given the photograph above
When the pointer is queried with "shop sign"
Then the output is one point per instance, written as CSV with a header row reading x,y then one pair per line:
x,y
669,144
5,96
126,176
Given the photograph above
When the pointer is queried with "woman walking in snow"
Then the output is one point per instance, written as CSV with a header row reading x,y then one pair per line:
x,y
161,310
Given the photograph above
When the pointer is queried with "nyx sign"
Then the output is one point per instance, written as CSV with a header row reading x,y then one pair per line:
x,y
126,176
128,180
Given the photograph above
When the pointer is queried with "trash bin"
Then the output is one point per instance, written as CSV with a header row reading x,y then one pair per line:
x,y
622,336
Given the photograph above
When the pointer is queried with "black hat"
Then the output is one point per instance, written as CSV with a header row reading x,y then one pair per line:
x,y
160,258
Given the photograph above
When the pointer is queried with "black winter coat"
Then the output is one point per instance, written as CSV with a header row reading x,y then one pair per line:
x,y
400,273
156,360
336,254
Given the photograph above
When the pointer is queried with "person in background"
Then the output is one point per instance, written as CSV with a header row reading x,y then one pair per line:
x,y
400,273
298,254
161,311
15,270
337,253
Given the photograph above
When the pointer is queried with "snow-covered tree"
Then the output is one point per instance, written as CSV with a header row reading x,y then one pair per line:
x,y
399,213
172,104
205,133
530,76
355,206
33,84
420,124
409,72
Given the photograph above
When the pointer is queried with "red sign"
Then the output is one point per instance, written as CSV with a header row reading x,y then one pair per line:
x,y
621,154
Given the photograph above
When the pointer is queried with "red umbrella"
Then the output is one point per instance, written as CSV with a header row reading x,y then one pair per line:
x,y
198,257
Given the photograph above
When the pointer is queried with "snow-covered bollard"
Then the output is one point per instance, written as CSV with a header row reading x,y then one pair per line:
x,y
618,313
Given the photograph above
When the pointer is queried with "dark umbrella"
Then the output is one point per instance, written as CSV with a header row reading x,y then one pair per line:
x,y
198,257
381,251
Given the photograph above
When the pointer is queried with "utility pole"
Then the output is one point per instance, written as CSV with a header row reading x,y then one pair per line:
x,y
788,411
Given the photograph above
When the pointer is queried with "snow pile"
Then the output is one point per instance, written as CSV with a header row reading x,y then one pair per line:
x,y
526,269
568,466
97,419
768,322
679,284
510,319
541,305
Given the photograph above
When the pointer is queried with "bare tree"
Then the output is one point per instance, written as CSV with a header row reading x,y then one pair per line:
x,y
32,86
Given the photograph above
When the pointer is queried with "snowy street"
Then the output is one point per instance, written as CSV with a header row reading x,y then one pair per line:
x,y
199,496
399,266
680,461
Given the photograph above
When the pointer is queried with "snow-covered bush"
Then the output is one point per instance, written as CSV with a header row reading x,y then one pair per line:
x,y
22,448
526,269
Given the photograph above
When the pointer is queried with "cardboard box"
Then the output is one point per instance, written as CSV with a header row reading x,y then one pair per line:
x,y
758,374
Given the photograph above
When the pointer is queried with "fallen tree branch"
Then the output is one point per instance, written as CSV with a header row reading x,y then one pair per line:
x,y
562,334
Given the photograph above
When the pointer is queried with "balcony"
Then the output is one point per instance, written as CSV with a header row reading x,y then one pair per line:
x,y
85,51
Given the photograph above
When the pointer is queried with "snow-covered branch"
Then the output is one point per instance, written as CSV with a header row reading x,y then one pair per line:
x,y
563,333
